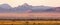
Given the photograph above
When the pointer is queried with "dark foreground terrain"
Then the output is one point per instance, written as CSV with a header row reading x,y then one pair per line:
x,y
29,22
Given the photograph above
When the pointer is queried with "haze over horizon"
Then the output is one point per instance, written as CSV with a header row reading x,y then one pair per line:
x,y
14,3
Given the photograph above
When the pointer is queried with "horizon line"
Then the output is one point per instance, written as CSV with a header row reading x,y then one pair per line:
x,y
29,5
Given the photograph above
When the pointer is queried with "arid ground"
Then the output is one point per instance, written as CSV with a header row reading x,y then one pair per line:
x,y
28,15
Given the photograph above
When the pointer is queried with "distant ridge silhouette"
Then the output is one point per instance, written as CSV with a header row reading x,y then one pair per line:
x,y
26,8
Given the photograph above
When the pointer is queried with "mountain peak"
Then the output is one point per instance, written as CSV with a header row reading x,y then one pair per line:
x,y
25,4
5,6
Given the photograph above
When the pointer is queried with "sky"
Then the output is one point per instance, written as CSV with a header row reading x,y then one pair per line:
x,y
14,3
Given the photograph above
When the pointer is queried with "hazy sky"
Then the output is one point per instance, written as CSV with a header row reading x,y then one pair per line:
x,y
15,3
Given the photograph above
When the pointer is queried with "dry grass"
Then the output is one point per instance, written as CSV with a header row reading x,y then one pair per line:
x,y
29,22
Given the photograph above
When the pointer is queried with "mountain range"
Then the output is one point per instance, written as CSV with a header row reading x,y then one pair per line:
x,y
26,8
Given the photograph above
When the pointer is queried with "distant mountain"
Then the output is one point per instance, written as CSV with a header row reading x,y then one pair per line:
x,y
26,8
5,6
40,8
33,9
55,9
